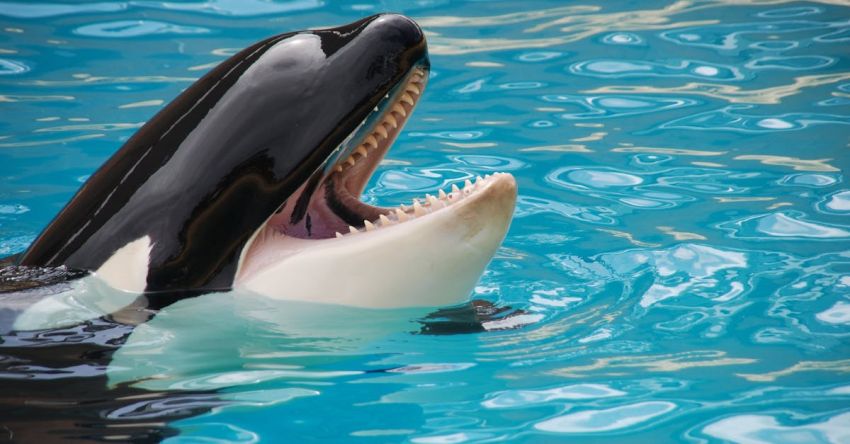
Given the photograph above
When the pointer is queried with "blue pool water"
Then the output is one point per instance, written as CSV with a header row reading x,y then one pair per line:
x,y
680,249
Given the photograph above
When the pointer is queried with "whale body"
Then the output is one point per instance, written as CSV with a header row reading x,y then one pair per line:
x,y
251,178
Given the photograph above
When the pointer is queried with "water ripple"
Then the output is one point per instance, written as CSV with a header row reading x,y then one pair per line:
x,y
239,8
789,225
775,45
538,56
731,93
622,38
728,37
790,12
136,28
764,429
12,67
730,119
611,68
646,266
611,106
840,35
796,164
44,10
791,63
836,203
839,313
656,190
528,206
605,420
810,180
524,398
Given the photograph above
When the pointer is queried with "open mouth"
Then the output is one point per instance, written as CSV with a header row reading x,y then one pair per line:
x,y
331,207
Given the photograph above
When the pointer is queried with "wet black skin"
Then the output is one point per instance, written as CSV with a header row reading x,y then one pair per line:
x,y
207,171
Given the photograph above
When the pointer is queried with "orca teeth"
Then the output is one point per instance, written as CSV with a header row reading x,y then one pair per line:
x,y
382,131
393,119
420,208
400,215
370,142
417,209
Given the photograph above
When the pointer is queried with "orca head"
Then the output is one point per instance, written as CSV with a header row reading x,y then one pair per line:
x,y
247,176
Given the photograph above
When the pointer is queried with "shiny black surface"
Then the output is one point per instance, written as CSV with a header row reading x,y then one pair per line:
x,y
203,174
54,388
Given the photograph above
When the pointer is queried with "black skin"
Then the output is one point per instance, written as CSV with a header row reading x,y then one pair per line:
x,y
207,171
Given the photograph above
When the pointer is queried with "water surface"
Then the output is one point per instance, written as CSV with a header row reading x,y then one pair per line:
x,y
681,245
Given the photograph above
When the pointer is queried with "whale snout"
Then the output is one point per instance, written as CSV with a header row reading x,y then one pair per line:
x,y
401,28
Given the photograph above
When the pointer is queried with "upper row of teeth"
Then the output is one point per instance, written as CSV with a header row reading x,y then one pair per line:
x,y
417,208
397,113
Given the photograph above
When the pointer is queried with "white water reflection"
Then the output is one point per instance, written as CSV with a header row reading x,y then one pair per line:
x,y
791,63
136,28
603,179
701,264
728,37
766,429
611,106
783,225
696,69
605,420
522,398
838,202
730,118
623,38
12,67
810,180
837,314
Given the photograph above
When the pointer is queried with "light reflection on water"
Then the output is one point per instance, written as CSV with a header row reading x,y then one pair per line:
x,y
681,247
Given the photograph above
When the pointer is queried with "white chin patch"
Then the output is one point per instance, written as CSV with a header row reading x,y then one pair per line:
x,y
127,268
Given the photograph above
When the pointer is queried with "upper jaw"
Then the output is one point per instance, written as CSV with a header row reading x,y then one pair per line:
x,y
352,172
334,202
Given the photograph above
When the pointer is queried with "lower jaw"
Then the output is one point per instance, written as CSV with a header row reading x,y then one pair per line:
x,y
431,260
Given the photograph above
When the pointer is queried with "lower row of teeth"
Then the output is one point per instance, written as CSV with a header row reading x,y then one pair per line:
x,y
417,208
396,115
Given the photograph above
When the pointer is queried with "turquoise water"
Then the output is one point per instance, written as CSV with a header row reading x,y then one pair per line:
x,y
680,249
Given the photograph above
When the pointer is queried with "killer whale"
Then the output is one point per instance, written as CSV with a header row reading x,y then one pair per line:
x,y
252,176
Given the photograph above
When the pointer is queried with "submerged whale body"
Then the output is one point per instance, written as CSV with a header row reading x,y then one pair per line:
x,y
252,176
